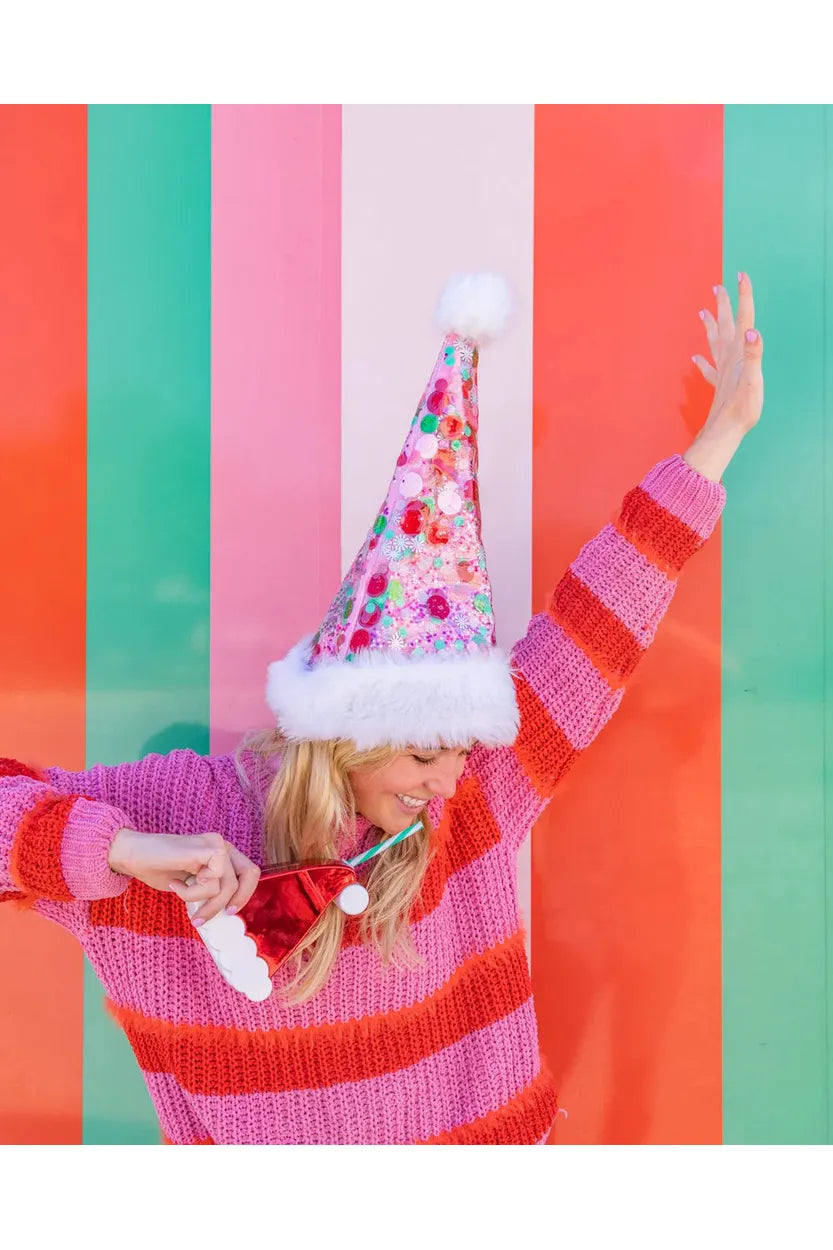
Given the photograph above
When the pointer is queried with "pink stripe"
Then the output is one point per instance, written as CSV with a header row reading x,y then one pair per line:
x,y
571,689
276,393
512,799
685,492
376,1111
626,582
190,991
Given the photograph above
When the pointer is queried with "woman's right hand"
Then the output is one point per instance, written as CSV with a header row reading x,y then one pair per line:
x,y
225,877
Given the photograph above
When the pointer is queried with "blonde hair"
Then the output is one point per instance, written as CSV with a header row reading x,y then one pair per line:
x,y
308,812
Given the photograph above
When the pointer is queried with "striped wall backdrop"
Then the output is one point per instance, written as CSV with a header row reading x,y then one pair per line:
x,y
214,324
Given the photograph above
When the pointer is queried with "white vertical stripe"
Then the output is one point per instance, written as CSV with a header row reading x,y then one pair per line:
x,y
429,191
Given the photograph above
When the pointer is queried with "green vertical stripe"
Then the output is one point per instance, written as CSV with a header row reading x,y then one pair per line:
x,y
149,488
775,552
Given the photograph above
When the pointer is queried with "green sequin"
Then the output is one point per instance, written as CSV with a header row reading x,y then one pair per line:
x,y
429,423
438,563
467,431
482,604
387,621
439,644
459,645
456,444
379,524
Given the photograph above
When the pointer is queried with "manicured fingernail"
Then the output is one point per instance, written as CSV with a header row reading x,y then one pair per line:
x,y
198,921
715,289
231,911
740,278
751,336
702,314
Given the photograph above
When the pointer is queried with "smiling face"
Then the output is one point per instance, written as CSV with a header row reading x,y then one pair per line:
x,y
392,797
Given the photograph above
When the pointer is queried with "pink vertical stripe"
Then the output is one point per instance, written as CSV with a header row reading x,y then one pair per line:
x,y
276,394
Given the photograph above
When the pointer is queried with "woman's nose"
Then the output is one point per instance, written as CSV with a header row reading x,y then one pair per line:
x,y
444,783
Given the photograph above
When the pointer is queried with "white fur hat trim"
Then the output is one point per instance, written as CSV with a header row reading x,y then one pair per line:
x,y
384,698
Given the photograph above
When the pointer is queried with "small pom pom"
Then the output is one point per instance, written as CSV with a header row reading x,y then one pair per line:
x,y
476,306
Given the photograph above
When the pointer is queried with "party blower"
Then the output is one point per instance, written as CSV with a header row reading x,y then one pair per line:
x,y
250,947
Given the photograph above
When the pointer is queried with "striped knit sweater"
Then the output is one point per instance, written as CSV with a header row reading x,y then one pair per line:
x,y
444,1053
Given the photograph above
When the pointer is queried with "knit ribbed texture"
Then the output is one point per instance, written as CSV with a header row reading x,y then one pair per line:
x,y
444,1053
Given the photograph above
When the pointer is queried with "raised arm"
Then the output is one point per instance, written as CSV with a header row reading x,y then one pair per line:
x,y
574,663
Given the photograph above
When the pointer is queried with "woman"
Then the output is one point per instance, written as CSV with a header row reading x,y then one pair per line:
x,y
413,1022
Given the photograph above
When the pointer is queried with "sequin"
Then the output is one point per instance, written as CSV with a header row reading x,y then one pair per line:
x,y
428,424
449,502
427,446
438,532
451,427
380,522
482,603
438,606
360,640
410,486
370,614
377,585
413,518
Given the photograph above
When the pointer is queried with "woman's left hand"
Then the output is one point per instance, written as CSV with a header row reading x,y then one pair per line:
x,y
737,377
737,350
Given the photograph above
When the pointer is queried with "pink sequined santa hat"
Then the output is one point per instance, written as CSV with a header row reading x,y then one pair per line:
x,y
406,654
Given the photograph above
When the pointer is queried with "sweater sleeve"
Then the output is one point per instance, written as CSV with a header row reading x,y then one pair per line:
x,y
56,827
572,666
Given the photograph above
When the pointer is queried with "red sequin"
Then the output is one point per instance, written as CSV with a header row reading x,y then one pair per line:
x,y
377,585
438,606
360,640
452,427
413,518
446,462
437,399
369,615
465,570
438,532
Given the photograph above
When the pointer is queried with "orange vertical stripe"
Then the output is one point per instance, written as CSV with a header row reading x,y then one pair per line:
x,y
626,864
42,517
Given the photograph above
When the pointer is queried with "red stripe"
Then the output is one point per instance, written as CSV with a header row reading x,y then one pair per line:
x,y
208,1059
664,538
523,1121
35,863
43,462
626,864
544,751
606,640
14,768
152,913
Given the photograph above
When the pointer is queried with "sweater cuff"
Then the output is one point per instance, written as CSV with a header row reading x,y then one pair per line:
x,y
85,846
683,491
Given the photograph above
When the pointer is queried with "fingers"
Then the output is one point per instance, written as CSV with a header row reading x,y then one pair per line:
x,y
194,891
725,319
708,371
248,875
710,326
217,903
746,304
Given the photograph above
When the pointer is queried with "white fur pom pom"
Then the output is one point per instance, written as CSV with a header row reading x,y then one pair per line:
x,y
476,306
